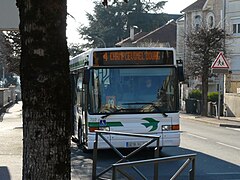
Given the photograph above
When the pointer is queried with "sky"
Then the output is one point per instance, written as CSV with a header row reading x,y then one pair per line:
x,y
78,9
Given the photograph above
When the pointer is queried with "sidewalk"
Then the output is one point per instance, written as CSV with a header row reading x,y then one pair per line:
x,y
233,122
11,149
11,144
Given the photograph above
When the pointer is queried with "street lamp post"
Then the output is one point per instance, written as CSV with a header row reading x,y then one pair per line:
x,y
101,41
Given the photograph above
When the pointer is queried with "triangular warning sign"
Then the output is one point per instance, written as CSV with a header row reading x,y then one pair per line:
x,y
220,62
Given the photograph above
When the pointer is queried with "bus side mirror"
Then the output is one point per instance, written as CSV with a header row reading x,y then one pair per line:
x,y
86,76
180,70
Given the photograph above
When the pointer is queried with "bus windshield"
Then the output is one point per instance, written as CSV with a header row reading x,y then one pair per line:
x,y
132,90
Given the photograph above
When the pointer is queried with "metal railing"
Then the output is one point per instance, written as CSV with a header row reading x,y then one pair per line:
x,y
125,162
123,158
190,159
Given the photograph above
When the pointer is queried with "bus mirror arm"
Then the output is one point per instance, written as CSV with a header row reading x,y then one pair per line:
x,y
86,76
180,72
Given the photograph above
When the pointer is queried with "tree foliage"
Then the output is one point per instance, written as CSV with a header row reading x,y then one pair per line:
x,y
13,43
4,50
9,57
203,47
110,25
74,49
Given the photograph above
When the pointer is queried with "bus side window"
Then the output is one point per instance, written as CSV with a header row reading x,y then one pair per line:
x,y
80,91
79,84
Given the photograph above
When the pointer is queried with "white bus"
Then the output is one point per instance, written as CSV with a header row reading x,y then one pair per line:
x,y
133,90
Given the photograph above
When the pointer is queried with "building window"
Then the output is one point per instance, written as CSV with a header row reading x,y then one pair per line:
x,y
210,20
197,21
236,28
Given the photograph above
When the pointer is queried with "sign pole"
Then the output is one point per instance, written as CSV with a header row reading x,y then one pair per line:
x,y
219,96
221,67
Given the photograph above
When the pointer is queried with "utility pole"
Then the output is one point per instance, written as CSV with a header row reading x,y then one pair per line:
x,y
104,44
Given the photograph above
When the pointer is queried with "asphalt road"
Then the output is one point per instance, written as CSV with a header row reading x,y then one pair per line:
x,y
217,149
219,142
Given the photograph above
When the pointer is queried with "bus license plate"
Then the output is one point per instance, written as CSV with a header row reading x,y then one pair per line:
x,y
134,144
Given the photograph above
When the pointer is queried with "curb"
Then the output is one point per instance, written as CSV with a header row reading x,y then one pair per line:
x,y
229,125
218,122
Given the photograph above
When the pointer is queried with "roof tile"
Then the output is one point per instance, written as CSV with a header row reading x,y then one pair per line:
x,y
198,5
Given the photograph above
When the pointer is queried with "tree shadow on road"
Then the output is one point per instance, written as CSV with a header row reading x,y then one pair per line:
x,y
207,167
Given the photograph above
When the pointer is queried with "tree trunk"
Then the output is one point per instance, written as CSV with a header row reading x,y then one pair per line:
x,y
45,84
205,91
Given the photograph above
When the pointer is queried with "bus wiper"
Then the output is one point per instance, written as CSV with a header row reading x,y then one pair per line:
x,y
164,114
105,116
137,103
148,103
108,114
158,108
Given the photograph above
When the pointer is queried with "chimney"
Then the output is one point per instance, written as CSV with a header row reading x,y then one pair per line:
x,y
132,32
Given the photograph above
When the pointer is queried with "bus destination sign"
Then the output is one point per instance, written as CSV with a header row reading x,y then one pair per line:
x,y
133,57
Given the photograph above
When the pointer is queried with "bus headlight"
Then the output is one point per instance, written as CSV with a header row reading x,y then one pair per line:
x,y
166,127
103,128
170,127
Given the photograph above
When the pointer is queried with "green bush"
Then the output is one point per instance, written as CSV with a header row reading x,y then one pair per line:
x,y
213,96
195,94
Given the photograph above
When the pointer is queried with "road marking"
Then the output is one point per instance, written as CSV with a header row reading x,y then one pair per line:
x,y
235,129
228,145
226,173
194,135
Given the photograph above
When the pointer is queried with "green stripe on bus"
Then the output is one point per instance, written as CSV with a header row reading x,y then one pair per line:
x,y
110,124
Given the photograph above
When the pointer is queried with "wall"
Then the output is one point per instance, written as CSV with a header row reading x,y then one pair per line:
x,y
4,93
7,96
233,103
233,44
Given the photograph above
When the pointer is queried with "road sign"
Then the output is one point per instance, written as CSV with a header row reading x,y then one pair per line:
x,y
220,65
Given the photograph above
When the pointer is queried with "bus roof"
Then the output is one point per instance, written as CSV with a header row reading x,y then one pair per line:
x,y
131,48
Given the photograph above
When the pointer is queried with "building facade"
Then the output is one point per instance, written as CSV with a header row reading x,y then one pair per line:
x,y
232,44
206,13
223,14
